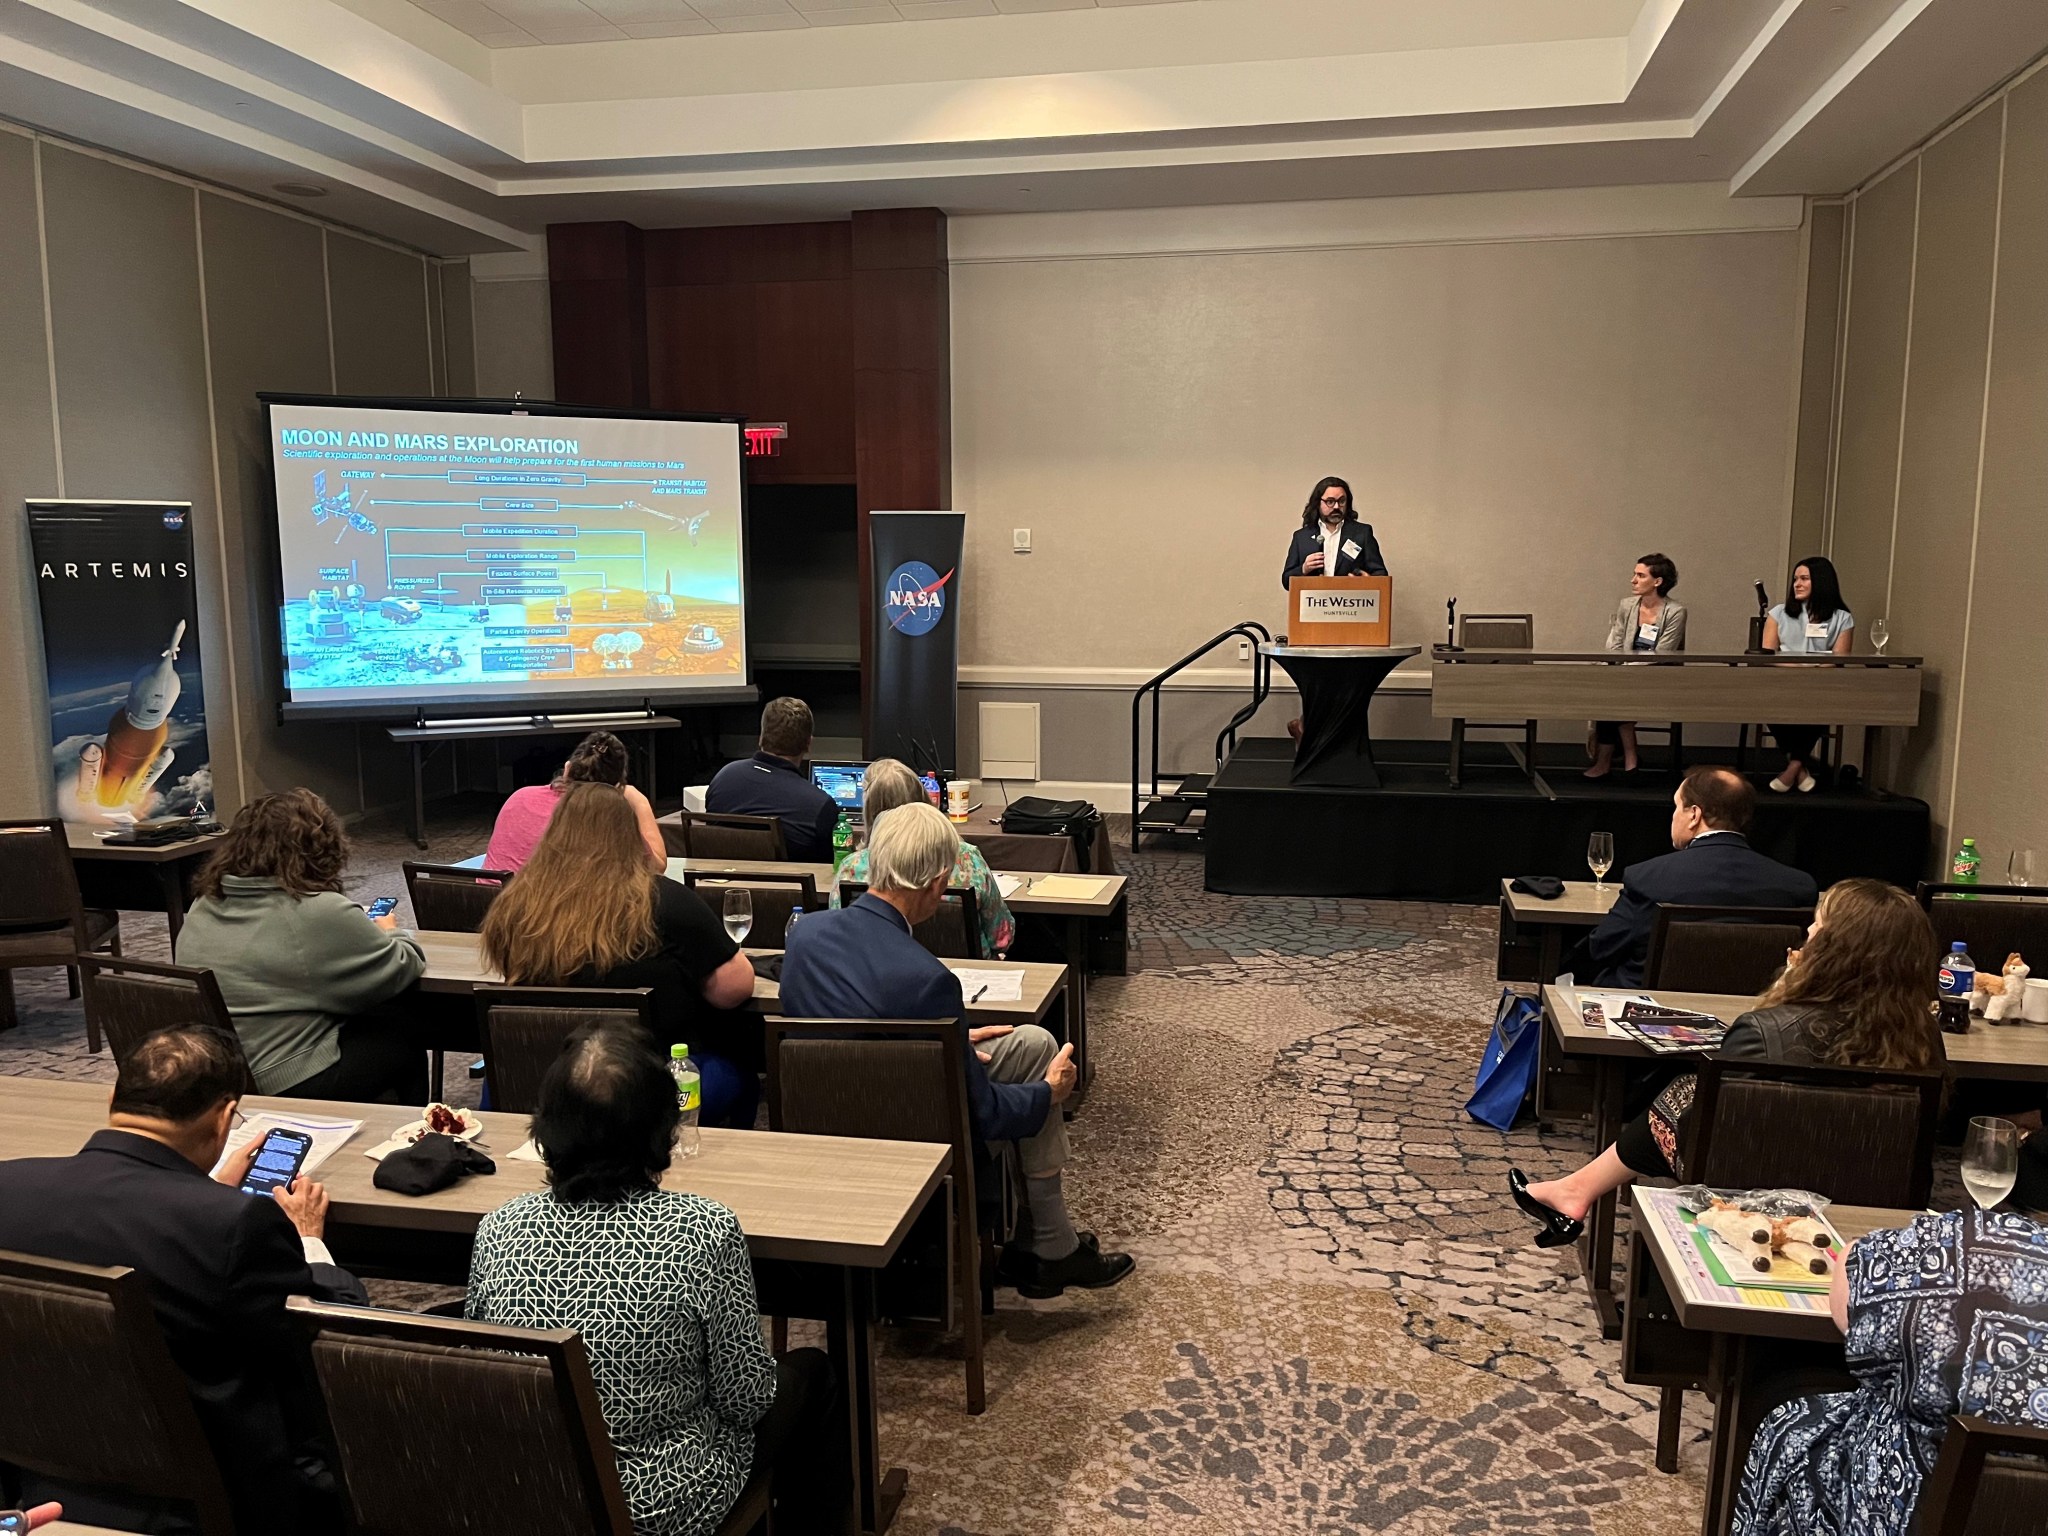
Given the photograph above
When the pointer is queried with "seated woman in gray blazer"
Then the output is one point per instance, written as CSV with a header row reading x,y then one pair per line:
x,y
1646,620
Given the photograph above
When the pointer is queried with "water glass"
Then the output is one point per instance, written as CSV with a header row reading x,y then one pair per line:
x,y
2019,867
739,912
1991,1160
1880,634
1600,857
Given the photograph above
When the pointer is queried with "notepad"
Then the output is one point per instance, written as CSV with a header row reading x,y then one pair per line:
x,y
329,1136
992,986
1068,888
1009,885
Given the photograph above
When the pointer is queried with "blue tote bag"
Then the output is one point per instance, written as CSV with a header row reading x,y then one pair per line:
x,y
1507,1073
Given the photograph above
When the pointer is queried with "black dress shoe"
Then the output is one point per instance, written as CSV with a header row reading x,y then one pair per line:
x,y
1087,1266
1558,1228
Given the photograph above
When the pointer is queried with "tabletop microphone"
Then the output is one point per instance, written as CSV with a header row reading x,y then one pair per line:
x,y
1756,622
1451,626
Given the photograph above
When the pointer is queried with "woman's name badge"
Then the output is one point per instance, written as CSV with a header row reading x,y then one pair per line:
x,y
1816,629
1647,633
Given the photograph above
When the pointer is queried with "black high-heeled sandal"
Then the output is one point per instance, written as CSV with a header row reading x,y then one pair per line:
x,y
1558,1228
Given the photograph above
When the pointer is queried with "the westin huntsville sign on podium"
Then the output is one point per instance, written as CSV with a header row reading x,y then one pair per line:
x,y
1341,610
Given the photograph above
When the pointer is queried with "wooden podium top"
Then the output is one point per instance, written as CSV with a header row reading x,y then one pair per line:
x,y
1340,610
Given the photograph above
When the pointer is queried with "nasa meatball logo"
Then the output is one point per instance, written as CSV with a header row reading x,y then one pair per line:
x,y
175,519
914,598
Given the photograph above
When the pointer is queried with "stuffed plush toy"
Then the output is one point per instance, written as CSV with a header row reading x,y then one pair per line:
x,y
1999,997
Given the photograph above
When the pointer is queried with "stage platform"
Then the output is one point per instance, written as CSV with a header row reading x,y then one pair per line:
x,y
1419,838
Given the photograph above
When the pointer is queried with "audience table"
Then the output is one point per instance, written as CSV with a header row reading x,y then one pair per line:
x,y
837,1207
1552,924
1744,1344
1989,1052
130,878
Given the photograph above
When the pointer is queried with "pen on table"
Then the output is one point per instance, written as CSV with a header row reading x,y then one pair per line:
x,y
977,993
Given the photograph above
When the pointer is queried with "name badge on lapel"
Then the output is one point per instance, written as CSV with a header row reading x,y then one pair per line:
x,y
1351,548
1816,629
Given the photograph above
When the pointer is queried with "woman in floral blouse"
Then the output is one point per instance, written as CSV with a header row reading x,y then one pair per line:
x,y
890,784
659,1284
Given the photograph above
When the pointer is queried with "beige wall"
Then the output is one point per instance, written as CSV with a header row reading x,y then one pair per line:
x,y
1938,516
1524,400
168,307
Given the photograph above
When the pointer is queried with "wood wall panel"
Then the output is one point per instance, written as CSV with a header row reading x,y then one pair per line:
x,y
598,296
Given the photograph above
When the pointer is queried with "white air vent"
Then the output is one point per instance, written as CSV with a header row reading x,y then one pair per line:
x,y
1009,741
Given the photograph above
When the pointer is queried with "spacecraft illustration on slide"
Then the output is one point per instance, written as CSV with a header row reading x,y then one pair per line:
x,y
338,506
120,770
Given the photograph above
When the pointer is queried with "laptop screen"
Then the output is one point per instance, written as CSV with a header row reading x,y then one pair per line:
x,y
842,781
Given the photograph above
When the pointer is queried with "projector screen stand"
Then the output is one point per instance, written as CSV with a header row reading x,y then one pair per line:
x,y
423,736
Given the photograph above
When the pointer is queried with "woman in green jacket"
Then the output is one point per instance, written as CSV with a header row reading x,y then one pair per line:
x,y
302,968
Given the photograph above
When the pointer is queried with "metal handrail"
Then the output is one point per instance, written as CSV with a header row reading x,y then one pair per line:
x,y
1262,685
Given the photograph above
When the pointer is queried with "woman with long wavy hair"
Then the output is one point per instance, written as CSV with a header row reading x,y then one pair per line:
x,y
589,910
1860,994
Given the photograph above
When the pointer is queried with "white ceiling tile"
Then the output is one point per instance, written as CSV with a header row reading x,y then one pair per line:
x,y
944,10
852,16
508,39
1016,7
688,26
782,21
817,7
712,10
575,32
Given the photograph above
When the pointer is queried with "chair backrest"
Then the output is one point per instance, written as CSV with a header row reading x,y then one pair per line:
x,y
952,933
91,1394
1860,1138
1497,631
1989,1480
133,999
1722,949
720,835
774,897
38,884
451,898
445,1428
523,1029
1027,851
1999,920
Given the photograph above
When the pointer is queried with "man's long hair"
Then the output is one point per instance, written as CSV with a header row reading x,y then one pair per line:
x,y
1311,513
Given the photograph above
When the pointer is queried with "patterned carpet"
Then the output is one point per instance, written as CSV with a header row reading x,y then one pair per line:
x,y
1338,1323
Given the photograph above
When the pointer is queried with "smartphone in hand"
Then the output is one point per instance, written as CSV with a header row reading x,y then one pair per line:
x,y
278,1161
381,907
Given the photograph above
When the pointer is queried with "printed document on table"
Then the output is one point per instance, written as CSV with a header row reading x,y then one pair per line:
x,y
1009,885
1068,888
329,1136
994,986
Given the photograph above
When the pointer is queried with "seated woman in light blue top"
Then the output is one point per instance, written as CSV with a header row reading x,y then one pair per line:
x,y
1810,622
1647,620
889,784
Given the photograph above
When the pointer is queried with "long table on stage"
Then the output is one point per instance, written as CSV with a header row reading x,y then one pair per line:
x,y
1681,687
834,1208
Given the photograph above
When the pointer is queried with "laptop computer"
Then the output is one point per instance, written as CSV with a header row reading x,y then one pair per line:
x,y
844,782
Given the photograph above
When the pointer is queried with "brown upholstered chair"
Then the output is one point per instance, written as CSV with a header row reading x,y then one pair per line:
x,y
1989,1480
952,933
445,1427
1721,949
2002,919
774,898
898,1080
130,1000
450,898
91,1394
1026,852
522,1029
713,835
43,920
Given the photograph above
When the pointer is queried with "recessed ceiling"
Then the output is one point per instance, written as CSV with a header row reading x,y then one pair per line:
x,y
527,23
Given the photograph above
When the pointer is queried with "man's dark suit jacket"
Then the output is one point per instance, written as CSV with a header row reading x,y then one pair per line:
x,y
219,1265
1720,870
860,962
1309,541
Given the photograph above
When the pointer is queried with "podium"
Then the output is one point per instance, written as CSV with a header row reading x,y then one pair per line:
x,y
1340,610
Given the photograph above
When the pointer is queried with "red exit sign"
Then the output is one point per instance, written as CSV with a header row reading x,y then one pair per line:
x,y
764,440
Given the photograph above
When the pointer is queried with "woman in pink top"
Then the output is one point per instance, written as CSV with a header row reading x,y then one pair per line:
x,y
599,758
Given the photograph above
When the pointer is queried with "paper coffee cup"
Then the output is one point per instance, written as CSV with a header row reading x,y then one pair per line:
x,y
959,794
2034,1003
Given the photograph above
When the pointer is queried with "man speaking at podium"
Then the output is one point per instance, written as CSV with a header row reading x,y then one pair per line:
x,y
1330,541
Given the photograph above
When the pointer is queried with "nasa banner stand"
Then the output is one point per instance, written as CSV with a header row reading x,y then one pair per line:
x,y
913,711
121,653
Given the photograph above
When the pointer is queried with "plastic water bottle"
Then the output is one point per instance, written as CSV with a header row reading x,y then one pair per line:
x,y
1964,870
1958,980
689,1094
842,841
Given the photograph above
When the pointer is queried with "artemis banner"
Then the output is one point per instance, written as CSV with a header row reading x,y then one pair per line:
x,y
121,649
913,710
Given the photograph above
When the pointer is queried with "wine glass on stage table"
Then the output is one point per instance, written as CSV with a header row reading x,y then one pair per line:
x,y
2019,867
1880,635
1991,1160
739,913
1600,857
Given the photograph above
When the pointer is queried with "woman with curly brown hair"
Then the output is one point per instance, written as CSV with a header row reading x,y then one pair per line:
x,y
1860,994
300,966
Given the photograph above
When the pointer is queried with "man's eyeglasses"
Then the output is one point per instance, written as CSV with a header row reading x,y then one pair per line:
x,y
1333,501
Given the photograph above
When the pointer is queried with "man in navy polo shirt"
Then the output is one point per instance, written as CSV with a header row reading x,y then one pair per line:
x,y
773,783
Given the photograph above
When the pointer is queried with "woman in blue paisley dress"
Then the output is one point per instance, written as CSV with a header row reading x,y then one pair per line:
x,y
1948,1315
660,1286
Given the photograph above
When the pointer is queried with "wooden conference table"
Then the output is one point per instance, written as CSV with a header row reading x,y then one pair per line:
x,y
129,878
1550,924
2016,1053
1683,1332
834,1207
1726,689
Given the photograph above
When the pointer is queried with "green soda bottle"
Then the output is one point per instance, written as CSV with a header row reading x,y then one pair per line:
x,y
842,841
1964,870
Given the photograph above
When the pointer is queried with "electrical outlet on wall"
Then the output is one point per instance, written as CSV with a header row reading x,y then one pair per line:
x,y
1020,540
1244,650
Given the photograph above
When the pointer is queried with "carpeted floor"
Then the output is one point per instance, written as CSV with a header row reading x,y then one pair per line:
x,y
1338,1323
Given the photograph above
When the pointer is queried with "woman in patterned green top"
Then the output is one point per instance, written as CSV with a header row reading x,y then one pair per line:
x,y
890,784
660,1286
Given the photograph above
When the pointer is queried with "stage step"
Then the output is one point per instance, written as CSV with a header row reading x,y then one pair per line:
x,y
1170,813
1194,786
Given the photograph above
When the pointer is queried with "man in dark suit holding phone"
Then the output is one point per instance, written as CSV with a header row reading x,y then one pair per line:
x,y
1330,541
219,1264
